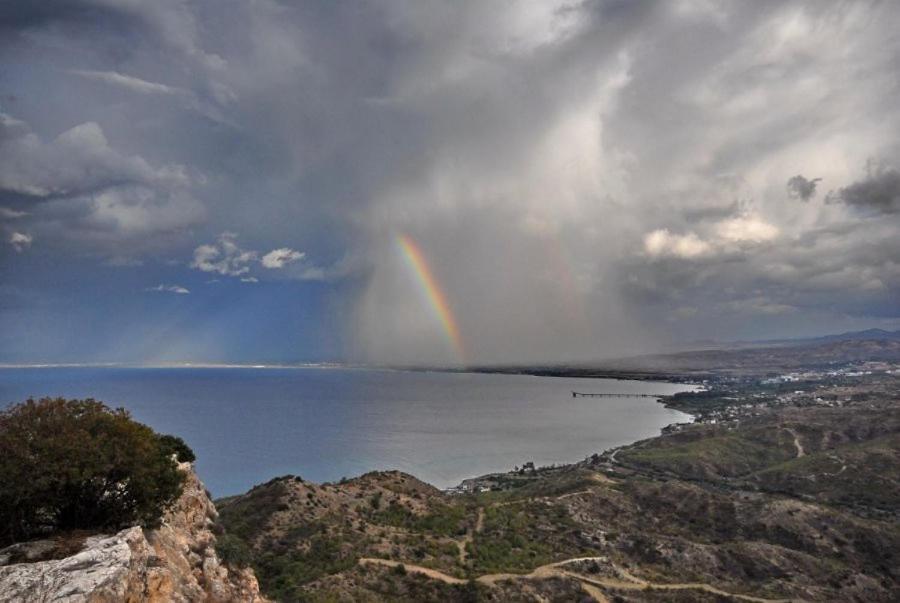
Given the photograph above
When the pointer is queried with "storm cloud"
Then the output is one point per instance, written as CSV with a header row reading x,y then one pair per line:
x,y
879,191
583,178
802,188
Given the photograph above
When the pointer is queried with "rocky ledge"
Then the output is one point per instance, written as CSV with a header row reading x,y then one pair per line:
x,y
176,562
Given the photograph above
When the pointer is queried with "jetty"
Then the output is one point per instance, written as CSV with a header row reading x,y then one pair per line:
x,y
589,395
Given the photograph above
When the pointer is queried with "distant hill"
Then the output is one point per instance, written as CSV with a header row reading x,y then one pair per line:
x,y
711,344
759,358
788,355
868,334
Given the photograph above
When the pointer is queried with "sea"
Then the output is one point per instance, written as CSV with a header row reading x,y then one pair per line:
x,y
248,425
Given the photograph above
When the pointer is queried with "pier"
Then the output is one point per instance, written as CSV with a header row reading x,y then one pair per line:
x,y
589,395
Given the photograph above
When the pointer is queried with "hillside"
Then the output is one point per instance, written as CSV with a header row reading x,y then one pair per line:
x,y
783,502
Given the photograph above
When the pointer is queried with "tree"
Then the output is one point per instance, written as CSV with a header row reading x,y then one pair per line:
x,y
175,445
77,464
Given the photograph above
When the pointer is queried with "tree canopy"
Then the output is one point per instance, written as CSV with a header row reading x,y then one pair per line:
x,y
78,464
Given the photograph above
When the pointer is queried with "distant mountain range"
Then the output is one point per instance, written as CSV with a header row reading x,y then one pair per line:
x,y
878,334
736,358
866,335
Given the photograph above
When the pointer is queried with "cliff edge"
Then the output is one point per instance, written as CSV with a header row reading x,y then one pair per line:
x,y
176,562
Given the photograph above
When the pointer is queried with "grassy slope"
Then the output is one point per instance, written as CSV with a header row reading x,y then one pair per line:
x,y
712,453
743,520
859,474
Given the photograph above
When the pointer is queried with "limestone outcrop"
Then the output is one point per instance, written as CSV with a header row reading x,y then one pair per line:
x,y
176,562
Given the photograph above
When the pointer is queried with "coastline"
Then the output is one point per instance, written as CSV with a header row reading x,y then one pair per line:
x,y
298,410
476,483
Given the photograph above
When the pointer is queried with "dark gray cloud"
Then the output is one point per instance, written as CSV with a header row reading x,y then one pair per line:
x,y
24,16
802,188
879,191
79,161
584,177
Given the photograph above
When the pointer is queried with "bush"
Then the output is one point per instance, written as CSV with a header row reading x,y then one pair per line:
x,y
77,464
283,574
175,445
233,551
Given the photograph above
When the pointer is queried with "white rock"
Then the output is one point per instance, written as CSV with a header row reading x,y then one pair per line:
x,y
175,563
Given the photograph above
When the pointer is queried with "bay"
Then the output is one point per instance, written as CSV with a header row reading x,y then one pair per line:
x,y
248,425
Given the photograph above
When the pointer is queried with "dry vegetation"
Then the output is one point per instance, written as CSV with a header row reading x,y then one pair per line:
x,y
795,503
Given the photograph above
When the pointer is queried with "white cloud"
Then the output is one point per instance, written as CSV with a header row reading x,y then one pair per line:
x,y
742,229
126,81
661,242
223,257
163,288
20,241
746,229
11,214
279,258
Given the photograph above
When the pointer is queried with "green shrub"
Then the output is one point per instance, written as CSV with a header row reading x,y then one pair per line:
x,y
282,575
244,515
442,520
77,464
175,445
233,551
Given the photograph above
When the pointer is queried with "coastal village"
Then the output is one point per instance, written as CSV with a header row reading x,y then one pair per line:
x,y
727,400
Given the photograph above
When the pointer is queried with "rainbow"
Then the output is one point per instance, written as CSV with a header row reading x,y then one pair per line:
x,y
415,259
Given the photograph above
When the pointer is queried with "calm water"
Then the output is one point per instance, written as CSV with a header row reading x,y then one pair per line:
x,y
248,425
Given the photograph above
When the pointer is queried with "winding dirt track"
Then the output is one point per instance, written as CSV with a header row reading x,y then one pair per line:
x,y
591,585
414,569
639,583
797,444
470,536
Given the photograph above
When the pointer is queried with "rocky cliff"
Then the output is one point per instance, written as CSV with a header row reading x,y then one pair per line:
x,y
176,562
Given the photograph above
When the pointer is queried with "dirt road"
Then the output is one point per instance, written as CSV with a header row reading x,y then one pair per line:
x,y
626,581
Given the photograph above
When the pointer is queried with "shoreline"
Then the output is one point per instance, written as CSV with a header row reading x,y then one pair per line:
x,y
609,453
526,455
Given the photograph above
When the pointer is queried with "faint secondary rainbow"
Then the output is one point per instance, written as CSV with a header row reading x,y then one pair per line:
x,y
415,259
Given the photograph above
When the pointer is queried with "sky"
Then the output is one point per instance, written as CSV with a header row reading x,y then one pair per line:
x,y
419,182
